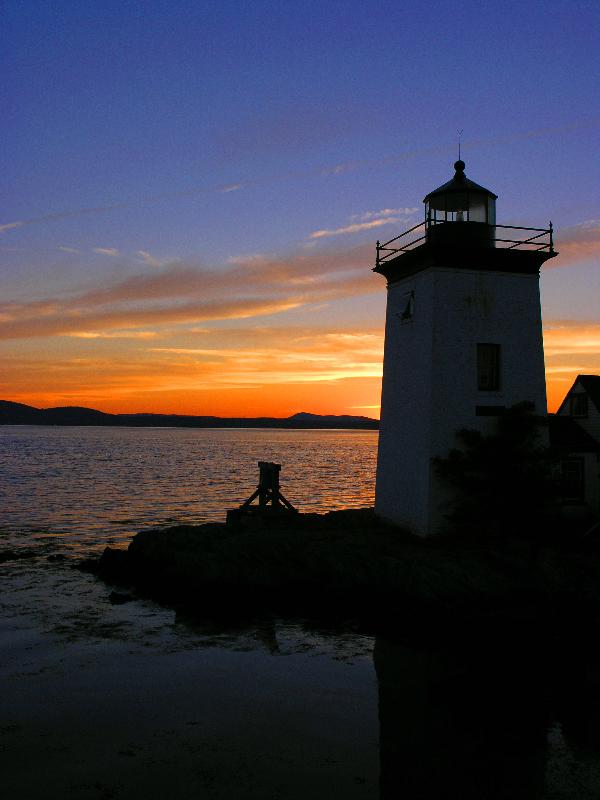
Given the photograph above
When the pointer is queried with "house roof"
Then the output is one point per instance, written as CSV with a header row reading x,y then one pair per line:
x,y
591,384
567,435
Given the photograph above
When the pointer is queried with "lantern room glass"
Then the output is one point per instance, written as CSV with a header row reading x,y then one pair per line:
x,y
460,207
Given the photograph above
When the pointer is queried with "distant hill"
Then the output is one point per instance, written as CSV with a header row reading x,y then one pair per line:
x,y
20,414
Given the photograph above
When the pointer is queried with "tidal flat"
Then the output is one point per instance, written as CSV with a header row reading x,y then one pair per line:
x,y
131,700
112,699
111,694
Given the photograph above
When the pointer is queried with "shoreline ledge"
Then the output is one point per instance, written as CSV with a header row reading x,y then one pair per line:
x,y
349,565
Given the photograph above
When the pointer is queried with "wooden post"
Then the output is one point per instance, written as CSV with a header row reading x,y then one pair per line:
x,y
268,493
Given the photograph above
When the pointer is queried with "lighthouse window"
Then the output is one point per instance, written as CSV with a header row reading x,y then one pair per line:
x,y
488,367
408,307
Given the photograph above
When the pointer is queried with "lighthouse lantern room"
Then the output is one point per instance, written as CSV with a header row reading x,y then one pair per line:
x,y
463,340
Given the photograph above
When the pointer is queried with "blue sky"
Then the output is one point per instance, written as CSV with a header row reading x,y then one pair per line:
x,y
143,139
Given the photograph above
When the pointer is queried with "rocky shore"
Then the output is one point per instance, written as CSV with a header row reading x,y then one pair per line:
x,y
348,564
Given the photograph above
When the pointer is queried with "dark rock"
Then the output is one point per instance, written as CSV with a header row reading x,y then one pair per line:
x,y
112,561
349,564
88,565
16,555
112,564
117,599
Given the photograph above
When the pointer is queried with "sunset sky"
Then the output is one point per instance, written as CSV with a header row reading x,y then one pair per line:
x,y
193,190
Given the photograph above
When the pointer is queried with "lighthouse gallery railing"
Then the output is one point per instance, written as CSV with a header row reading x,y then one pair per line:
x,y
541,239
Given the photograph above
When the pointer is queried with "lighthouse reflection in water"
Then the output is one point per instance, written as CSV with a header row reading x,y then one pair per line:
x,y
494,722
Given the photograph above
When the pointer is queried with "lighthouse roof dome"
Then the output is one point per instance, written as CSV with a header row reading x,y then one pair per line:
x,y
460,183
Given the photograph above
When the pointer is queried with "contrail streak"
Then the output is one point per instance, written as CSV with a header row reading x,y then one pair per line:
x,y
323,171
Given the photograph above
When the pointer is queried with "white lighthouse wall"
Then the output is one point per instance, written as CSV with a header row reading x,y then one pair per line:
x,y
430,378
402,486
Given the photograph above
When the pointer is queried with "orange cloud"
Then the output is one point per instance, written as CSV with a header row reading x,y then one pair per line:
x,y
181,293
576,243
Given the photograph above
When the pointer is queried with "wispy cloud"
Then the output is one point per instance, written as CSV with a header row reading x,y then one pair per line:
x,y
108,207
74,320
248,258
385,212
570,369
69,249
149,259
577,243
366,221
114,335
10,225
333,169
182,293
339,169
59,215
572,337
282,356
231,187
107,251
355,227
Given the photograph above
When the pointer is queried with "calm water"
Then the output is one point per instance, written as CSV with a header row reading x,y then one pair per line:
x,y
132,701
93,485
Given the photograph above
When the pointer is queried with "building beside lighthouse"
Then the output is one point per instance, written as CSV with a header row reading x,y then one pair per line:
x,y
463,340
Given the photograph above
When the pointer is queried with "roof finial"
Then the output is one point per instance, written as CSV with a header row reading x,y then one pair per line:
x,y
460,133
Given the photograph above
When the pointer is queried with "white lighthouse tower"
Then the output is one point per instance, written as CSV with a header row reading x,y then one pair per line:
x,y
463,340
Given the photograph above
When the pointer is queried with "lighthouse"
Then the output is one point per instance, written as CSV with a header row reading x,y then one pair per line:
x,y
463,340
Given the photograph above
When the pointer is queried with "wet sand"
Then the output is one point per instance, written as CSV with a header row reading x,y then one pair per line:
x,y
127,701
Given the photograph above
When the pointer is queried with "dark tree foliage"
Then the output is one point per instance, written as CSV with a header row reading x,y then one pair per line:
x,y
503,481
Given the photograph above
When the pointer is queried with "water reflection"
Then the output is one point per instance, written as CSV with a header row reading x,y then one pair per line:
x,y
503,720
297,707
482,724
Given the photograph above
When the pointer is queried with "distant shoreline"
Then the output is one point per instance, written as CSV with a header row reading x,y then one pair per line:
x,y
197,427
73,416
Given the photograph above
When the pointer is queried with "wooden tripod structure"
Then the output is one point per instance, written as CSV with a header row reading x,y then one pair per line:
x,y
269,496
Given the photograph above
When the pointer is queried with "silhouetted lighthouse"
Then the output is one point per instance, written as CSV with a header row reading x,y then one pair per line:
x,y
463,339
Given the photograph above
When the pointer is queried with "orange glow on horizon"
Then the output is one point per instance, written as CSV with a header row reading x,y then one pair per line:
x,y
571,348
241,372
354,396
556,392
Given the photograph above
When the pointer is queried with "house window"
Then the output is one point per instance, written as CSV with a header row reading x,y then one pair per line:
x,y
489,411
571,479
488,367
579,405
